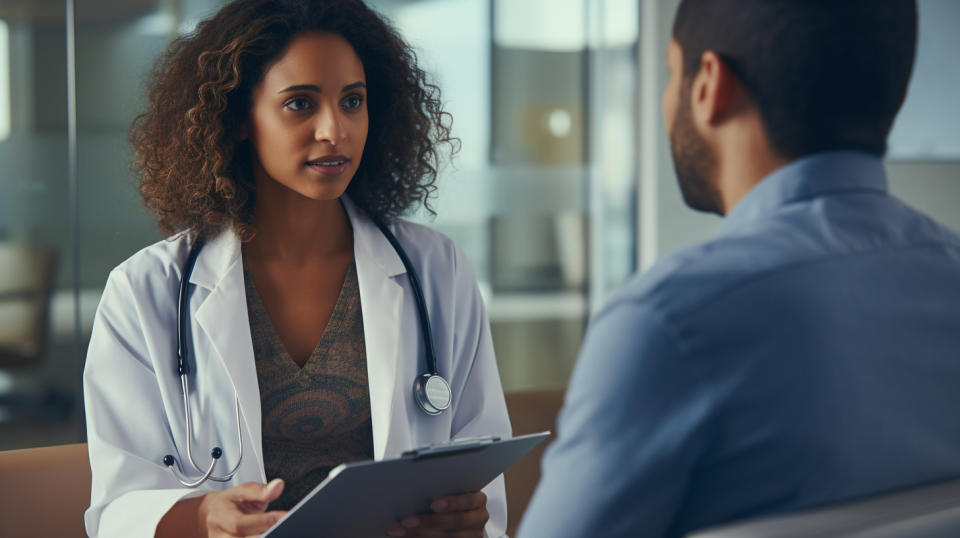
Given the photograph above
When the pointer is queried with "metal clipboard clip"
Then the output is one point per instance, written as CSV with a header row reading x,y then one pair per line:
x,y
454,446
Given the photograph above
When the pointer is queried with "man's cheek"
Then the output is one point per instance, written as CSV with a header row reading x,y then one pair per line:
x,y
669,109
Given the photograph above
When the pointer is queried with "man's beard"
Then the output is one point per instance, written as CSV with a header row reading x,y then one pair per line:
x,y
693,161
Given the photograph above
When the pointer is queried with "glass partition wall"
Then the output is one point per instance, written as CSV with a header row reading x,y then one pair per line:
x,y
548,97
541,197
39,346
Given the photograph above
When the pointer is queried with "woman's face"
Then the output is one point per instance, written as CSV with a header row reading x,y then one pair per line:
x,y
308,122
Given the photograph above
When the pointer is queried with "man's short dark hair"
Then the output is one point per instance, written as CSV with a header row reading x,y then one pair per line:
x,y
825,74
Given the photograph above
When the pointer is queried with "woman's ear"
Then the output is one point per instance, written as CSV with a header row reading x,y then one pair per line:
x,y
244,132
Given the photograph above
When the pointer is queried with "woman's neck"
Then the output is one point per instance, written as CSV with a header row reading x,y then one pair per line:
x,y
296,229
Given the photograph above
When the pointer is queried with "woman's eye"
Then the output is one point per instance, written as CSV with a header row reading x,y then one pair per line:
x,y
298,103
352,102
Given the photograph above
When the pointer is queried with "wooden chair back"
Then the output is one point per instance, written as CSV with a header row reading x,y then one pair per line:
x,y
530,412
44,491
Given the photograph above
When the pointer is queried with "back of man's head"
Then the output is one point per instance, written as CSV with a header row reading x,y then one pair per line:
x,y
825,74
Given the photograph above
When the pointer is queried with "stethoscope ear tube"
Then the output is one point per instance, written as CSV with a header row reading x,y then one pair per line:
x,y
174,467
215,453
183,370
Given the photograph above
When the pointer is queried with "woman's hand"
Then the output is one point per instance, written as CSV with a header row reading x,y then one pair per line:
x,y
241,510
456,516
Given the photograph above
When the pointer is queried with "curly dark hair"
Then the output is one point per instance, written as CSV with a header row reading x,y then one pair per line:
x,y
195,172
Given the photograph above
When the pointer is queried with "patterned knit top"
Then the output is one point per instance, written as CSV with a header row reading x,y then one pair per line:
x,y
318,416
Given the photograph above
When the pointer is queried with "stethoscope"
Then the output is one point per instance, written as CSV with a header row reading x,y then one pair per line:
x,y
430,390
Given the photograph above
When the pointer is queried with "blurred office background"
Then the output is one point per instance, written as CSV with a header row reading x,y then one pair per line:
x,y
563,189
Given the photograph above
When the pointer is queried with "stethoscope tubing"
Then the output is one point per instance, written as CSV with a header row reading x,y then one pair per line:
x,y
183,366
417,295
215,453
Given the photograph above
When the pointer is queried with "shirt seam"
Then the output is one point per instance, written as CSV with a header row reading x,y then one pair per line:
x,y
768,212
671,334
822,259
711,423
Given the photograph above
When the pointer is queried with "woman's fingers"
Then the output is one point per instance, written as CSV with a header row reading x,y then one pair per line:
x,y
471,519
235,523
240,511
254,524
459,516
273,490
436,533
460,503
252,492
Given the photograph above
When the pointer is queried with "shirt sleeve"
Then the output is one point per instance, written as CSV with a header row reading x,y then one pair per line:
x,y
628,435
480,407
131,491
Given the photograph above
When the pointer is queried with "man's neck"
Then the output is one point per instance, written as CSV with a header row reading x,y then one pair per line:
x,y
744,160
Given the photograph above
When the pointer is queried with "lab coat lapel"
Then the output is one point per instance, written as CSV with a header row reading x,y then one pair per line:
x,y
382,302
223,319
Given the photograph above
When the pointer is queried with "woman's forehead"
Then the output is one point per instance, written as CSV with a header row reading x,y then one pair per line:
x,y
317,58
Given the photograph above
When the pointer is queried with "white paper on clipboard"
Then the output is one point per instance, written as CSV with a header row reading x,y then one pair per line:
x,y
364,499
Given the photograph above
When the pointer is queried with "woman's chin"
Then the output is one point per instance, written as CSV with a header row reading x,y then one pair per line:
x,y
322,195
319,189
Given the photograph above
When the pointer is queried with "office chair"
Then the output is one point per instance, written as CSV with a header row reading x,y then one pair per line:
x,y
930,511
44,491
530,412
26,286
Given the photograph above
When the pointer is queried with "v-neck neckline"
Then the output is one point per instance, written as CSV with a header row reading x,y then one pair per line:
x,y
322,347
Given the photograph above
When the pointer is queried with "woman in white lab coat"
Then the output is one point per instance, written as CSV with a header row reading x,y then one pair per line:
x,y
277,134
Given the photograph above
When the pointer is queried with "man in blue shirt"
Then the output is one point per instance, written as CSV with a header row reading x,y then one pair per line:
x,y
810,353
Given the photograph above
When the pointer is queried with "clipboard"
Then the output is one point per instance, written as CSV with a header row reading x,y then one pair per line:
x,y
364,499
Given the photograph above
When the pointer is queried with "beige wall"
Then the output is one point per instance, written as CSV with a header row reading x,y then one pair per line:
x,y
932,187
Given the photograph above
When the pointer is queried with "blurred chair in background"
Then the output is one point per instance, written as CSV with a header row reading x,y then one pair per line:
x,y
26,285
929,511
530,412
44,491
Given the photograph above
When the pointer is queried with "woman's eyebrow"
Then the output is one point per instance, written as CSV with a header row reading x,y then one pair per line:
x,y
316,89
302,88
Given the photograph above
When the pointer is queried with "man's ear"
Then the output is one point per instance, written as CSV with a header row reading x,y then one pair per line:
x,y
715,90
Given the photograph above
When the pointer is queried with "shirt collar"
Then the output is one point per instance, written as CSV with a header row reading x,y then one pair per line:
x,y
809,177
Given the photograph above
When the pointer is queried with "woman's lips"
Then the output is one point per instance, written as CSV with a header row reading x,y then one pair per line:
x,y
329,166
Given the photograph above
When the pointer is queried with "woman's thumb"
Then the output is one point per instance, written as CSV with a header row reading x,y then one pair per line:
x,y
271,490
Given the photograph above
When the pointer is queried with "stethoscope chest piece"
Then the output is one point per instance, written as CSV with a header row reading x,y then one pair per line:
x,y
432,393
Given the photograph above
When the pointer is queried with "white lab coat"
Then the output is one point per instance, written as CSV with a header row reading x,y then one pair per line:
x,y
133,396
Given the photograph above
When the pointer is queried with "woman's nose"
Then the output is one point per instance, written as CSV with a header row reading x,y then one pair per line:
x,y
329,127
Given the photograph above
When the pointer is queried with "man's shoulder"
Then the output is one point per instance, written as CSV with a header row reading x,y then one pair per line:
x,y
684,280
798,237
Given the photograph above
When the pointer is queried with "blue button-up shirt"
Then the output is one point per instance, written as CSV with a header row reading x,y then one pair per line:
x,y
808,354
